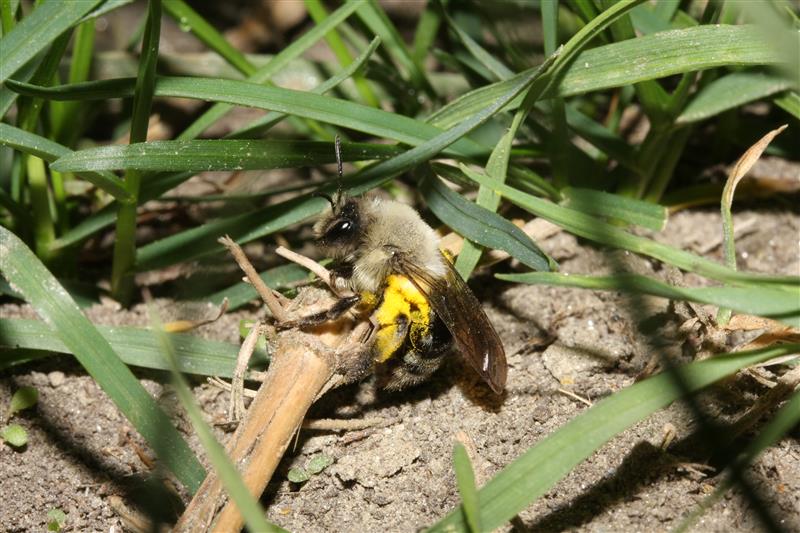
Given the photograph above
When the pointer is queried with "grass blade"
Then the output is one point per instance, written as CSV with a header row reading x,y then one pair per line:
x,y
537,470
613,206
200,241
25,272
342,113
481,225
731,91
782,305
465,478
135,346
218,154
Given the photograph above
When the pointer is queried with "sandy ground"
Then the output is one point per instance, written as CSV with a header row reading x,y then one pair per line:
x,y
84,458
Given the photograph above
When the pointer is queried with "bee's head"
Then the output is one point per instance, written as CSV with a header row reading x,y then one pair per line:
x,y
341,229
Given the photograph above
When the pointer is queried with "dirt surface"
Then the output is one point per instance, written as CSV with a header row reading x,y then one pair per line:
x,y
564,347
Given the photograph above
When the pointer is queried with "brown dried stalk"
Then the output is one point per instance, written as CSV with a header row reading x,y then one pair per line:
x,y
305,365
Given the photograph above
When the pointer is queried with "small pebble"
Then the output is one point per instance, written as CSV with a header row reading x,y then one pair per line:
x,y
56,378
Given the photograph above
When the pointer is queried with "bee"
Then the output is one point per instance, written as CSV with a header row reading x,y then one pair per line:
x,y
419,306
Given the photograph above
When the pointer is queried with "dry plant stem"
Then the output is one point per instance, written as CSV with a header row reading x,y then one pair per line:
x,y
321,272
295,376
288,392
265,292
236,407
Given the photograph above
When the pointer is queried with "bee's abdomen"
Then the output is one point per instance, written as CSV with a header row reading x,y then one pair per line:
x,y
411,341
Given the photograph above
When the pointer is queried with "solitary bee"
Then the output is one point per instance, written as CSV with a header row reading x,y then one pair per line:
x,y
419,306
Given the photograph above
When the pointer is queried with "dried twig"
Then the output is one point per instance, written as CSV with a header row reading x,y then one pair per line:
x,y
321,272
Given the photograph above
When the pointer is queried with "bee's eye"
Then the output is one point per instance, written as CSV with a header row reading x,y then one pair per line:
x,y
341,229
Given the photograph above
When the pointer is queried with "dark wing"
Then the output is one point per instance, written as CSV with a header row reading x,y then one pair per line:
x,y
452,300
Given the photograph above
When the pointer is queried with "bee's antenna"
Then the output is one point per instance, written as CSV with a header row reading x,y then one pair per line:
x,y
337,143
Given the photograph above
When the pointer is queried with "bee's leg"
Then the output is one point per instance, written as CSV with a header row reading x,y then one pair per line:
x,y
336,310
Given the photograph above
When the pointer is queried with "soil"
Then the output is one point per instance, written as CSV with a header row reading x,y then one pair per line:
x,y
564,347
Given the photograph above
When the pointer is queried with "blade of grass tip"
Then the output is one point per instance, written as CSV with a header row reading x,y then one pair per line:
x,y
782,423
37,31
125,243
595,230
532,474
43,292
189,20
739,170
263,74
781,305
732,91
319,14
248,505
481,225
465,479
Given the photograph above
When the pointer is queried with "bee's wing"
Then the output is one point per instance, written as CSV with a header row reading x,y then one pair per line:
x,y
452,300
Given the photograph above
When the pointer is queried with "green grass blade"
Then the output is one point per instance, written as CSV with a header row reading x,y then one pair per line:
x,y
595,230
135,346
247,504
43,292
48,150
219,154
241,293
782,305
190,20
613,206
482,225
125,243
732,91
790,103
35,32
342,113
465,479
538,469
